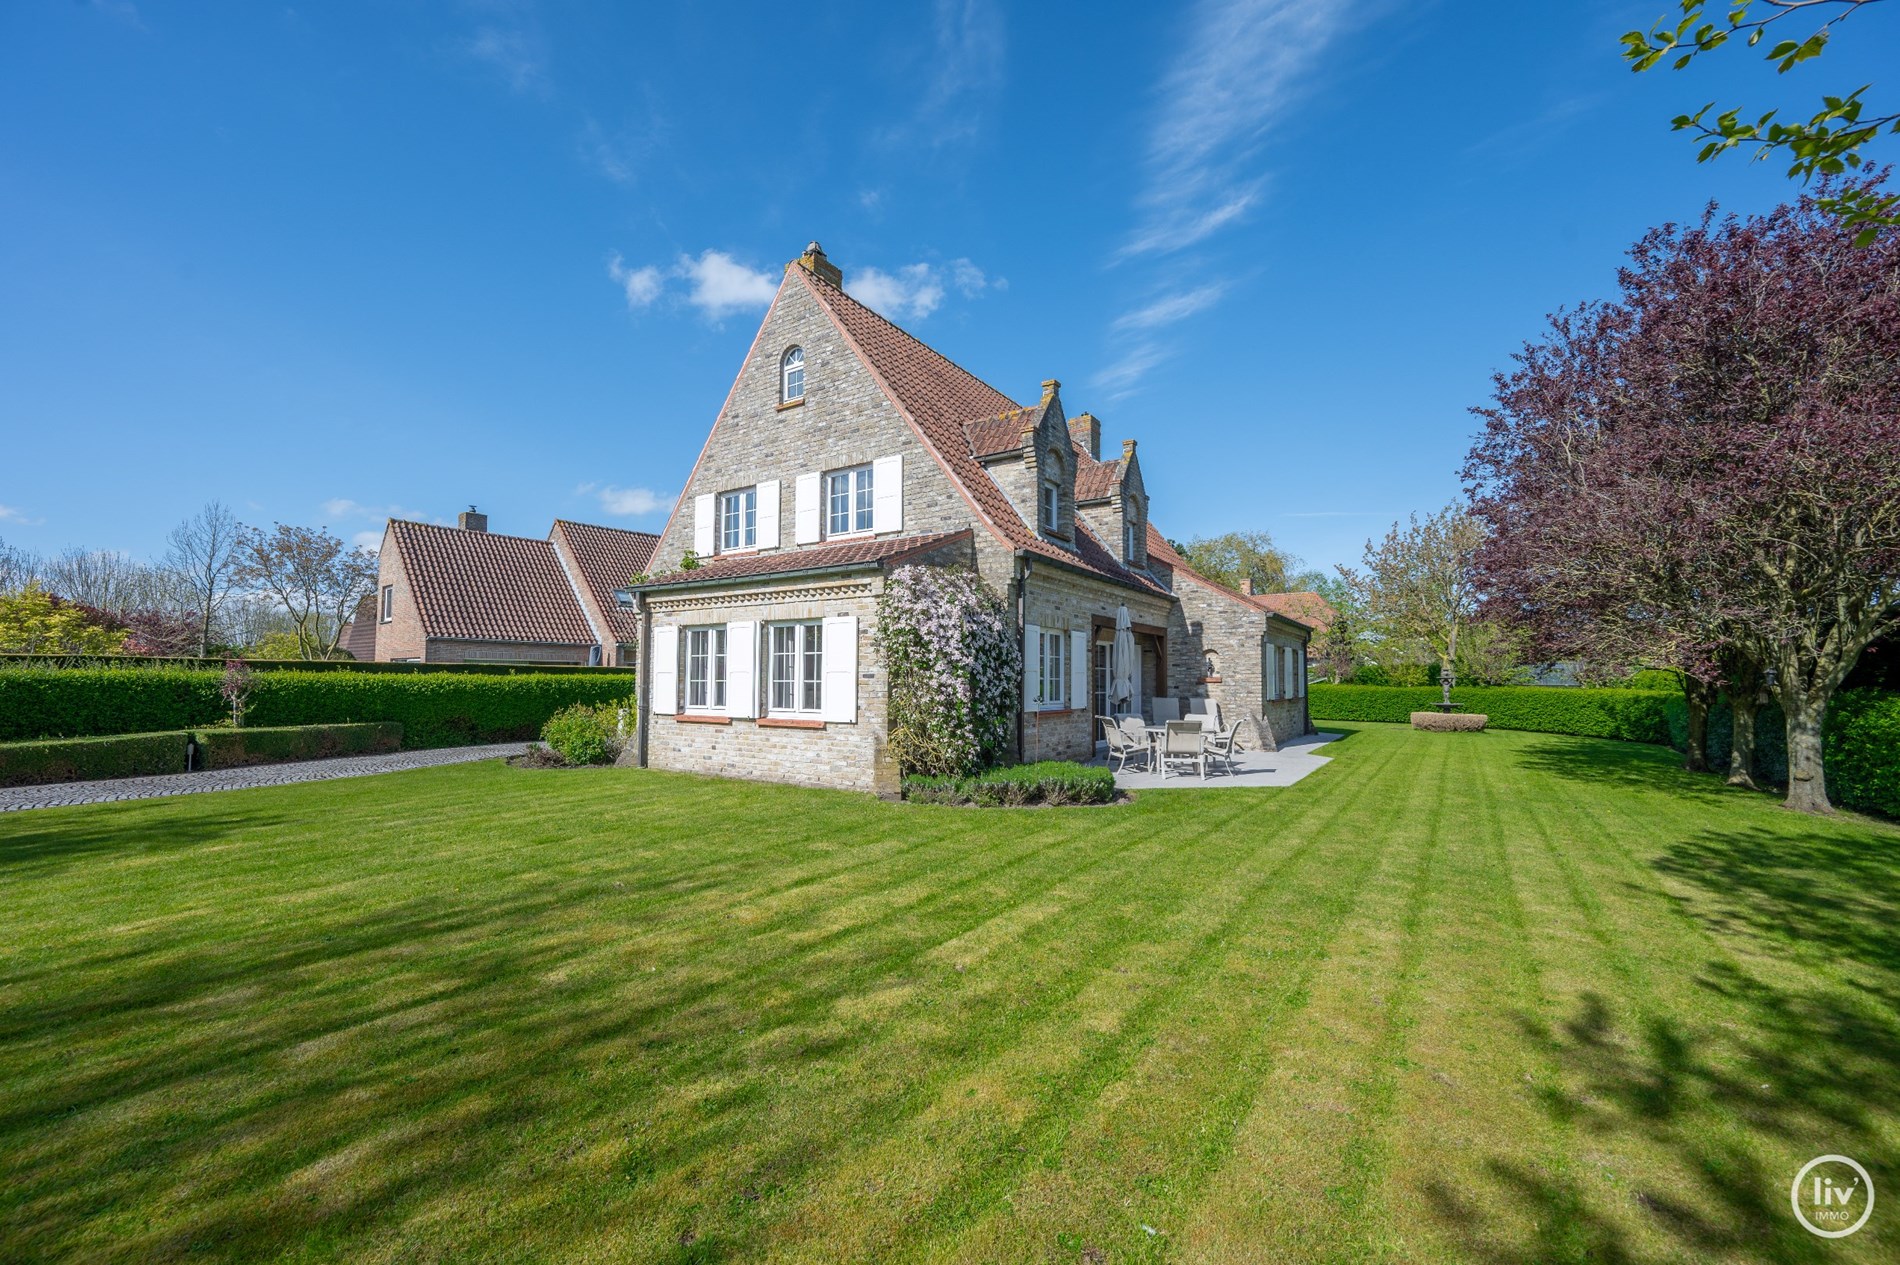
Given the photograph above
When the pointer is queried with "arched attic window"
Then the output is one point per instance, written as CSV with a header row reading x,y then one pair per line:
x,y
791,376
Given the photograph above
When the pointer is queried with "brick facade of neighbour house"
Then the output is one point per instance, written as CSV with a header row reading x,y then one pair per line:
x,y
464,594
847,448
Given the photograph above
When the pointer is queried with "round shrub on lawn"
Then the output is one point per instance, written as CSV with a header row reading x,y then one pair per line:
x,y
581,734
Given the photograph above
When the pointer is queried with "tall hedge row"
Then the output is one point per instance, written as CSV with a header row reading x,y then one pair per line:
x,y
1632,715
435,710
1860,746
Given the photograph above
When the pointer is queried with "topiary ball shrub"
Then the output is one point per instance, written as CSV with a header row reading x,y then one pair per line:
x,y
581,734
1449,722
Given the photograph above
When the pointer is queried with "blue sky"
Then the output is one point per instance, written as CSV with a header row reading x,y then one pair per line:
x,y
331,262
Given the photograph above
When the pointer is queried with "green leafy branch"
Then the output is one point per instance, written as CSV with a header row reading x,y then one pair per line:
x,y
1827,144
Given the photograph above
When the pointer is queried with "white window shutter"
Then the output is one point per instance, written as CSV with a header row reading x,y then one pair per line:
x,y
768,514
1273,671
887,494
703,525
805,509
1078,669
742,666
666,669
841,670
1032,664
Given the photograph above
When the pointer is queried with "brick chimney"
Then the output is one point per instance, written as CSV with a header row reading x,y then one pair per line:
x,y
1086,430
1246,586
469,520
814,262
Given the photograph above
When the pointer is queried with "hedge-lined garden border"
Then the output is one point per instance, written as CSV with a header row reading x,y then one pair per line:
x,y
1632,715
435,709
88,759
279,744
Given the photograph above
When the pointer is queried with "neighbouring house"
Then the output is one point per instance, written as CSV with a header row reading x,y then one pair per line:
x,y
845,449
464,594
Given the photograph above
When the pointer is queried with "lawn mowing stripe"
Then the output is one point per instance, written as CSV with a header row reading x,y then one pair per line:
x,y
1675,1090
1039,1135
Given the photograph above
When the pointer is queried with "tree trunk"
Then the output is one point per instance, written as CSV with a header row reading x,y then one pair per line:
x,y
1696,694
1807,777
1741,751
1745,682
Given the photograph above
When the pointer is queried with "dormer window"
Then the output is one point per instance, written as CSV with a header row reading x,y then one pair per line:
x,y
1051,505
792,376
1130,532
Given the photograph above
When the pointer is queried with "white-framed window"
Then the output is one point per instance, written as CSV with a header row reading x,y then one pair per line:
x,y
739,519
792,375
706,668
1052,669
1131,534
389,602
795,669
1051,504
849,501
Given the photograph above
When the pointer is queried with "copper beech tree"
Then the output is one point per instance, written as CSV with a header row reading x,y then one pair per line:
x,y
1705,473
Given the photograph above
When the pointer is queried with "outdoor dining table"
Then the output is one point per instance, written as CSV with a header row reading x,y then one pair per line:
x,y
1155,734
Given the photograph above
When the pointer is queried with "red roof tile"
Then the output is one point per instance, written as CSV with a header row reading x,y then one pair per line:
x,y
483,586
607,558
990,436
941,399
748,566
1095,480
1303,608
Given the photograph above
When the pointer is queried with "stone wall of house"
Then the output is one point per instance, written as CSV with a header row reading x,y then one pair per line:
x,y
1061,599
808,753
844,420
1211,629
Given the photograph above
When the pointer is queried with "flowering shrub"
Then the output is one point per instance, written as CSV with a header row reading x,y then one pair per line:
x,y
955,670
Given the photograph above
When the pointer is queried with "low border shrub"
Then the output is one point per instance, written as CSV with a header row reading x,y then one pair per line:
x,y
1632,715
583,734
1450,722
89,759
1051,782
235,748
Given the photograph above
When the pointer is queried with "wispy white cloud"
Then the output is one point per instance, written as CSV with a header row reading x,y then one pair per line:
x,y
14,514
912,292
641,285
343,508
1241,67
516,52
370,540
124,10
971,281
719,285
965,63
626,502
1170,308
1123,375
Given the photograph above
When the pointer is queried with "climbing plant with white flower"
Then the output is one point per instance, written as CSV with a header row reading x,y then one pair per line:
x,y
955,669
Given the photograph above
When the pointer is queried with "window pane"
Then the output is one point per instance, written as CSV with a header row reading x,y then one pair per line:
x,y
750,529
864,499
696,668
784,662
814,673
840,503
719,667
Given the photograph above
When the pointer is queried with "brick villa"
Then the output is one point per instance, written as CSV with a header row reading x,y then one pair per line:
x,y
464,594
847,448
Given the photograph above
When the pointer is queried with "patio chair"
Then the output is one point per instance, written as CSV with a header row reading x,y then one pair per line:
x,y
1205,710
1167,709
1121,747
1220,746
1183,744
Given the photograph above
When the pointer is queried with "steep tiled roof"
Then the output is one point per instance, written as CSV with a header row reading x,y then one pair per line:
x,y
359,635
747,566
1094,480
606,558
482,586
1003,433
943,400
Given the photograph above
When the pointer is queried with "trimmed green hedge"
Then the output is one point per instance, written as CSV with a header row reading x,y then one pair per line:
x,y
1632,715
234,748
87,759
434,709
1047,782
1860,746
15,659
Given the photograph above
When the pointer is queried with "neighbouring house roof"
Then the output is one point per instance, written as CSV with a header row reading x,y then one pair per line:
x,y
955,411
857,553
359,635
1304,607
607,558
484,586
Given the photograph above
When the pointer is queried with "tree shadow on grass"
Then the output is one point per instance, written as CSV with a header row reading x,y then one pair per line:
x,y
39,839
1628,765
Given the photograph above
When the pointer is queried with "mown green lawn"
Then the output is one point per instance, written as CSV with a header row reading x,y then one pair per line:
x,y
1499,997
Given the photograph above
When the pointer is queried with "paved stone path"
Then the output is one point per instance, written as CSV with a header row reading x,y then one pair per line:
x,y
62,794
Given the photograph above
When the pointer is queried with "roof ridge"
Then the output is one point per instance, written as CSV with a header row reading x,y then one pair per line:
x,y
492,535
629,531
842,293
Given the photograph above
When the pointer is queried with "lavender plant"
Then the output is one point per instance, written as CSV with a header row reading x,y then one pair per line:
x,y
955,670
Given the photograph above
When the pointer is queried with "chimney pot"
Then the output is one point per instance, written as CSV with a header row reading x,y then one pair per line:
x,y
814,262
470,520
